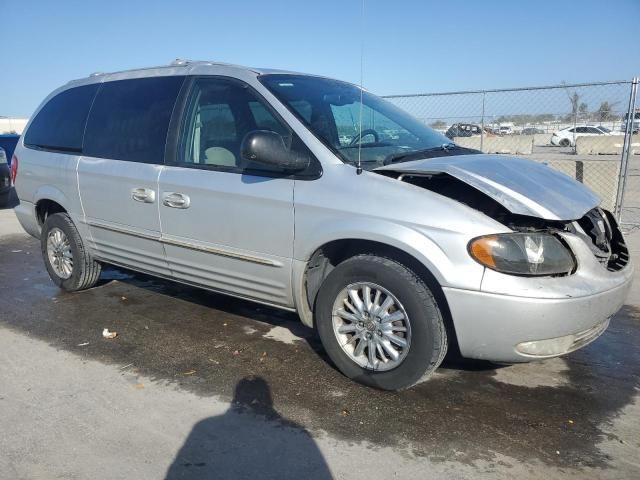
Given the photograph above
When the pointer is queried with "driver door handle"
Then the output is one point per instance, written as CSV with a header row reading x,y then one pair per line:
x,y
176,200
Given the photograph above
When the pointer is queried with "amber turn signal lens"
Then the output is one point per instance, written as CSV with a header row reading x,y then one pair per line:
x,y
481,249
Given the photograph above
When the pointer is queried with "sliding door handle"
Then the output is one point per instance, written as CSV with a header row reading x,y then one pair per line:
x,y
143,195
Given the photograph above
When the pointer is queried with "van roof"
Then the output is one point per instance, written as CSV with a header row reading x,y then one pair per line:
x,y
183,67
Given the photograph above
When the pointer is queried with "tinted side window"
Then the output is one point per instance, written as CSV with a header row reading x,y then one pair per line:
x,y
59,125
130,118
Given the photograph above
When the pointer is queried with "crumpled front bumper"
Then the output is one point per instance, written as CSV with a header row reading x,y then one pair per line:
x,y
508,311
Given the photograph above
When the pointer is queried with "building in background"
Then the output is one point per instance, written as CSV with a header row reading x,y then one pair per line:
x,y
12,125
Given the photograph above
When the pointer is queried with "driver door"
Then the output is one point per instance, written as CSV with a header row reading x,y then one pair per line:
x,y
227,224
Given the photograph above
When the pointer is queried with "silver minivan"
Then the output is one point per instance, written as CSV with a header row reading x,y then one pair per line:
x,y
312,195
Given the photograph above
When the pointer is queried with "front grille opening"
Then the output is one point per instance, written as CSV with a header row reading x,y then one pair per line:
x,y
606,240
619,251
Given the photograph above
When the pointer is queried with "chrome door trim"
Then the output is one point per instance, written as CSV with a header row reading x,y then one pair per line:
x,y
122,229
221,252
181,243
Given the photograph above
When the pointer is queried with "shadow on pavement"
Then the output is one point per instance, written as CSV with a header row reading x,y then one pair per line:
x,y
207,343
239,445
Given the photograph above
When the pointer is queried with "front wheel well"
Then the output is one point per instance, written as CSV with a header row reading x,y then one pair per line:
x,y
329,255
45,208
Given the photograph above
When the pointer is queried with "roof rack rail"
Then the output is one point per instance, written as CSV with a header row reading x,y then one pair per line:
x,y
183,62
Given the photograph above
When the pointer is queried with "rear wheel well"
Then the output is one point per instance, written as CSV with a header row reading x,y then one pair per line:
x,y
47,207
328,256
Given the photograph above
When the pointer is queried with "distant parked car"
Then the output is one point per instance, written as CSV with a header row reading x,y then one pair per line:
x,y
504,131
5,179
567,136
463,130
531,131
8,142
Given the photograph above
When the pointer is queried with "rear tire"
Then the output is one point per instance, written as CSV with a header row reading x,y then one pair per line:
x,y
420,324
70,265
4,199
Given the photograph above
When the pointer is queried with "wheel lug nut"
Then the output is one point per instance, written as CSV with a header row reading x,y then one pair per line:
x,y
379,333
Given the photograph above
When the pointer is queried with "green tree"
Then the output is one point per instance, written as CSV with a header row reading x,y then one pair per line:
x,y
574,99
605,111
575,103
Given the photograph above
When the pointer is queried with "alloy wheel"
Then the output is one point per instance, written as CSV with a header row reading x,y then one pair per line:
x,y
372,326
59,253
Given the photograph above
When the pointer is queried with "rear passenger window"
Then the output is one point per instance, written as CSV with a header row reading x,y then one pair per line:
x,y
59,125
130,118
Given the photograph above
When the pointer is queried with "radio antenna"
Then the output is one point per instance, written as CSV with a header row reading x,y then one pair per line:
x,y
359,167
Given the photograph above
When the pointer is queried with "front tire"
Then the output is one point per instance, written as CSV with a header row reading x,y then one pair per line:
x,y
70,265
565,142
380,323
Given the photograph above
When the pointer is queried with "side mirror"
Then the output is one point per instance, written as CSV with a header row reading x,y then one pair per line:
x,y
268,148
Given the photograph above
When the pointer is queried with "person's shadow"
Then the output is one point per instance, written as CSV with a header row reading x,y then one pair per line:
x,y
251,440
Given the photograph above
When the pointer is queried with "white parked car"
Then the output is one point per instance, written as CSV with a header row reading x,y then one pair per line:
x,y
567,136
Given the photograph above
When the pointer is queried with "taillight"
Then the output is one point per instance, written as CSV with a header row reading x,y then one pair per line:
x,y
14,169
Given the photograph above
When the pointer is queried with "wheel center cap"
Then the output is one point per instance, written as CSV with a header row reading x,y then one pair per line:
x,y
370,326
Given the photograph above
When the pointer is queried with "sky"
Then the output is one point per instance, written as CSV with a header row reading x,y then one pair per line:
x,y
410,46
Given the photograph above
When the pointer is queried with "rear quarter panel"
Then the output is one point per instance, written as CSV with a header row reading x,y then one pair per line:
x,y
44,175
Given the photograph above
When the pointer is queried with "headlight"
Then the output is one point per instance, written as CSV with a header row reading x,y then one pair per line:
x,y
523,254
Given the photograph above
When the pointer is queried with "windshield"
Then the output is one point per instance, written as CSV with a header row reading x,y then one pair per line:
x,y
331,110
605,130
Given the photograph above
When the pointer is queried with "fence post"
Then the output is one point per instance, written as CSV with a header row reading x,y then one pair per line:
x,y
626,149
484,94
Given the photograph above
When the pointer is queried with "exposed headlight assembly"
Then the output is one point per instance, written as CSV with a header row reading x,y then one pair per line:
x,y
523,254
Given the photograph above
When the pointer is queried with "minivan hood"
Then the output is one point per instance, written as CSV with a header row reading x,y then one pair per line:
x,y
523,187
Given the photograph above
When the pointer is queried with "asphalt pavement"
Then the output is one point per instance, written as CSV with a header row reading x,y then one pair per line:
x,y
198,385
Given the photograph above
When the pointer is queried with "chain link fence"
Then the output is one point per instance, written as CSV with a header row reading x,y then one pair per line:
x,y
588,131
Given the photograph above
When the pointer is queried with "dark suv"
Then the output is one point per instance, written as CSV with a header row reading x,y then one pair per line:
x,y
8,144
463,130
5,180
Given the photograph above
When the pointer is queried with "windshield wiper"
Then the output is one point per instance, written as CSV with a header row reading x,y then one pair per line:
x,y
406,156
